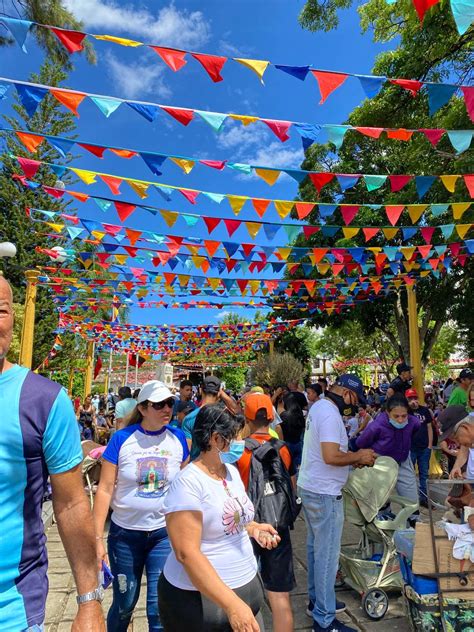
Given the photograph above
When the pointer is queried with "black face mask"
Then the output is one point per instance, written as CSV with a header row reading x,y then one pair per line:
x,y
348,410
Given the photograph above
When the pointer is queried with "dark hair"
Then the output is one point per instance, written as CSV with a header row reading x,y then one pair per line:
x,y
125,392
185,383
317,388
183,407
136,393
291,403
323,380
214,418
397,400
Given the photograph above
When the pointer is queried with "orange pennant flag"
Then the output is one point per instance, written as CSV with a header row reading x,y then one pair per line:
x,y
30,141
71,100
260,206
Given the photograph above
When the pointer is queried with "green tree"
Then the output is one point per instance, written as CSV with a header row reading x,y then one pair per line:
x,y
300,342
277,369
446,345
432,53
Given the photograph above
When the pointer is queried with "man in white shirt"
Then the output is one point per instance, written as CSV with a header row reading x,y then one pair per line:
x,y
323,473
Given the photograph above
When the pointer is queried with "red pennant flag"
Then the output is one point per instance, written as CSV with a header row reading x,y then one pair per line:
x,y
71,100
321,179
411,85
424,251
211,223
97,150
310,230
133,235
373,132
336,268
398,182
29,167
169,277
369,233
247,249
242,283
232,225
189,195
399,134
348,213
319,254
279,128
469,182
422,7
303,209
212,64
131,251
215,164
427,233
97,367
30,141
211,246
468,92
113,183
393,213
132,360
434,263
455,248
328,82
57,193
230,264
124,210
260,206
462,260
182,115
71,40
433,135
173,58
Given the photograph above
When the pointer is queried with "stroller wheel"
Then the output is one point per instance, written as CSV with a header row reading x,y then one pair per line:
x,y
339,583
375,604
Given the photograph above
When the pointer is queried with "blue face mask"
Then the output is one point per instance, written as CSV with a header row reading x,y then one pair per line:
x,y
236,449
398,426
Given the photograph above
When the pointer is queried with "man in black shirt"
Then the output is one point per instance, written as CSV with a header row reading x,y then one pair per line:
x,y
401,383
421,442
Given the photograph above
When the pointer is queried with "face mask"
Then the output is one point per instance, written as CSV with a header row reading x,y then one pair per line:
x,y
398,426
236,449
346,410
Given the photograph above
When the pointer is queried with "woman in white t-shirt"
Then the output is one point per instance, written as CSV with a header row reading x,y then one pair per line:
x,y
138,466
210,580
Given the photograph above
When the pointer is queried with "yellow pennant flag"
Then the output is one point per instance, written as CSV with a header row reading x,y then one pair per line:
x,y
192,249
408,266
415,211
140,188
117,40
449,182
323,268
183,279
214,282
253,228
58,228
245,120
98,234
462,229
349,232
408,251
269,175
170,217
257,65
283,208
459,208
236,203
397,283
89,177
389,232
254,286
284,253
375,249
186,165
121,259
424,273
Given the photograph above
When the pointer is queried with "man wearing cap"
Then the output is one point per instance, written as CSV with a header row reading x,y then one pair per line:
x,y
421,441
458,396
402,382
212,393
323,474
457,424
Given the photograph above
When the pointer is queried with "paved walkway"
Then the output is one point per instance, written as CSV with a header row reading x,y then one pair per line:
x,y
61,605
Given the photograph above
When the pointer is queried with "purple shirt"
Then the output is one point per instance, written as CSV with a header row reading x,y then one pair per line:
x,y
386,440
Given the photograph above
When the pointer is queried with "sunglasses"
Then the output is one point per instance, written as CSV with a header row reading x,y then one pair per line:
x,y
160,405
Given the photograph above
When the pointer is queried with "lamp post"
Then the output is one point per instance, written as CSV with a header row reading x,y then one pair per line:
x,y
414,338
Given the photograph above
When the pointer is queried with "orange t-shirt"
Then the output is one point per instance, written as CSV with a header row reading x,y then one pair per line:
x,y
243,464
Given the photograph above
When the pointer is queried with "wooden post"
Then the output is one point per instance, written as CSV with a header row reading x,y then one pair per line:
x,y
71,381
108,374
28,330
414,337
89,368
325,374
271,347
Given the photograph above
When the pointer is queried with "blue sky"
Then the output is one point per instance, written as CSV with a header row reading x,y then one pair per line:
x,y
258,29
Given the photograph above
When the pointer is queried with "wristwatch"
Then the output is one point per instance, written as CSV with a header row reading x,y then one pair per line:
x,y
95,595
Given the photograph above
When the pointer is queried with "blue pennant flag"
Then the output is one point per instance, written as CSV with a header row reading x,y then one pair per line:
x,y
153,161
326,210
371,85
439,209
329,231
309,133
409,232
62,145
30,97
230,247
300,72
296,174
271,230
460,139
106,105
336,134
19,30
149,112
438,95
347,182
423,184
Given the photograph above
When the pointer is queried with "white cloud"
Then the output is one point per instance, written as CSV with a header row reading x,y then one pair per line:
x,y
134,80
242,138
277,155
169,26
221,315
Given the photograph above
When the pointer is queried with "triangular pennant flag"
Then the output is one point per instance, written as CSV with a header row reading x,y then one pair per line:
x,y
371,85
283,208
348,213
400,134
174,59
232,225
460,139
19,30
106,105
427,233
211,246
214,119
347,181
74,231
133,235
328,82
270,230
469,182
30,141
438,95
140,188
336,134
71,40
189,195
269,175
433,135
439,209
71,100
422,7
185,164
409,232
149,112
299,72
61,145
468,92
369,233
447,230
212,64
258,66
309,133
214,164
393,213
372,132
153,161
462,229
104,205
170,217
408,251
211,223
29,167
279,128
349,233
96,150
291,231
230,248
236,203
124,210
459,208
182,115
303,209
191,220
321,179
449,182
122,41
398,182
253,228
111,181
463,13
30,97
260,206
389,233
411,85
423,184
374,182
245,120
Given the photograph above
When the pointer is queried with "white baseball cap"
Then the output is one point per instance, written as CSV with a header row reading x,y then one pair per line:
x,y
154,391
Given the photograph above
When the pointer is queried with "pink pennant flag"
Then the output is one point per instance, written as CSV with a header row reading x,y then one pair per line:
x,y
424,251
394,212
427,233
348,213
468,92
182,115
321,179
29,167
328,82
57,193
212,64
433,135
469,182
455,248
174,59
215,164
279,128
411,85
189,195
398,182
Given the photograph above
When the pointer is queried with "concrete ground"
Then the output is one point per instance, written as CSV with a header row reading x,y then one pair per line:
x,y
61,605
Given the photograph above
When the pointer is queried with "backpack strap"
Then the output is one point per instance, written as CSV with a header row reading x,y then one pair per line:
x,y
252,444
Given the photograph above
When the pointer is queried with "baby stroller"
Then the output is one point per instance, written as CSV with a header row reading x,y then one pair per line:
x,y
372,567
91,466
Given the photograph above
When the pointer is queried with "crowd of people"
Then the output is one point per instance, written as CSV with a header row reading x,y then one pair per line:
x,y
200,490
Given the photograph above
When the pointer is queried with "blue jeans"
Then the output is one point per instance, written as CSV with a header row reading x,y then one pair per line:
x,y
421,456
324,516
296,451
35,628
130,552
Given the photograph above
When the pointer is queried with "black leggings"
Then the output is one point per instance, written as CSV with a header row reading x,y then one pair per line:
x,y
189,611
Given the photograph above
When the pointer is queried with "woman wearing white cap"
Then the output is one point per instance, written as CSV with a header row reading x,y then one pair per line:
x,y
139,465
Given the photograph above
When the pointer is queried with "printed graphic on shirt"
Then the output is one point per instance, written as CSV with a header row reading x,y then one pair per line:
x,y
152,476
237,514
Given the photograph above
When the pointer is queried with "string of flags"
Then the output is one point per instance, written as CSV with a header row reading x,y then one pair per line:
x,y
31,95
